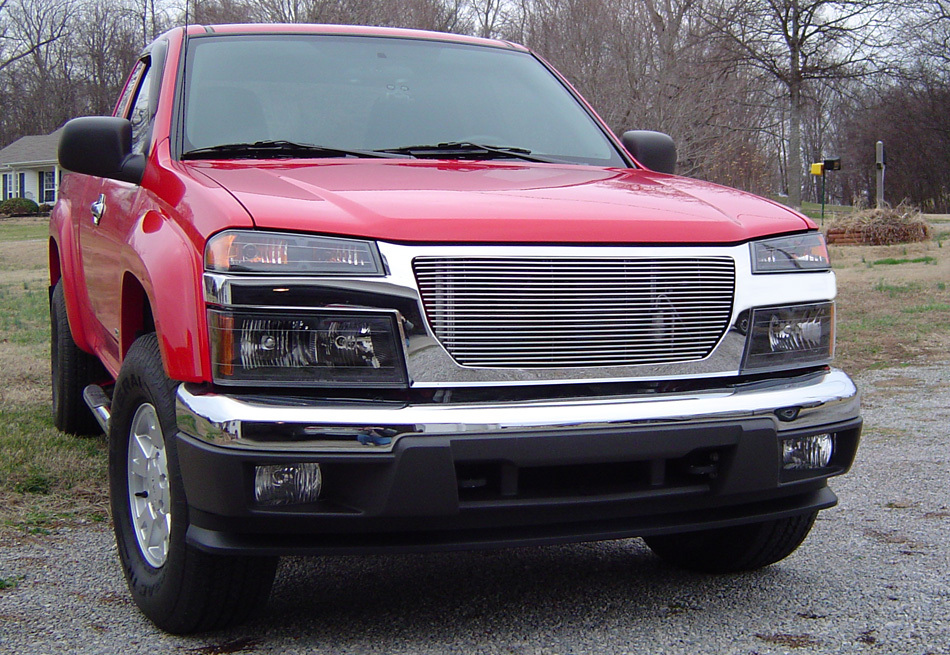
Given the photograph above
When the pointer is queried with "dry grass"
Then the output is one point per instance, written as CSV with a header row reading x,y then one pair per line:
x,y
25,375
885,226
47,479
893,303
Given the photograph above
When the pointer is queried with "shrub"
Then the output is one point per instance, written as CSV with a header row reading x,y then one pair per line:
x,y
18,207
45,208
880,227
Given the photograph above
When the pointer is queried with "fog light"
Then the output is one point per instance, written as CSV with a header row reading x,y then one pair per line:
x,y
808,452
287,484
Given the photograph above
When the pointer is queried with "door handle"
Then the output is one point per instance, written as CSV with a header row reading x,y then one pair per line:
x,y
98,208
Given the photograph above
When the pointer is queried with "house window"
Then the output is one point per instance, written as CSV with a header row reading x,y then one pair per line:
x,y
13,184
47,187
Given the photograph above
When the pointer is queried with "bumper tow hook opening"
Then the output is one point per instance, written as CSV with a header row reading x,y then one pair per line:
x,y
708,466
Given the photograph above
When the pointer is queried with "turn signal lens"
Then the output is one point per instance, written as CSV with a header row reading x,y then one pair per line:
x,y
242,251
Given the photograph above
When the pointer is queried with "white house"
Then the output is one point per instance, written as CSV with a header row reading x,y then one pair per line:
x,y
29,168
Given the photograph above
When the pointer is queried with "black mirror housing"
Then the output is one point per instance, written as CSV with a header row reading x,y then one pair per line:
x,y
101,146
654,150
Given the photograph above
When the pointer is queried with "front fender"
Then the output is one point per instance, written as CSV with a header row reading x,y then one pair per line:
x,y
167,265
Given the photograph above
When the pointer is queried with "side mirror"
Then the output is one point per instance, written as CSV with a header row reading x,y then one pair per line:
x,y
101,146
654,150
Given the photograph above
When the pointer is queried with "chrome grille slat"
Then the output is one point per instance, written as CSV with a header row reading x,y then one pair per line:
x,y
568,264
489,309
602,298
603,303
473,277
540,351
524,312
586,336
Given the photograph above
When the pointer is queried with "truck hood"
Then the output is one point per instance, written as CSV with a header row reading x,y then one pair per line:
x,y
494,202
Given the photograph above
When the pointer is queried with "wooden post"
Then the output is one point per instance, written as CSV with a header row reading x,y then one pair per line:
x,y
880,163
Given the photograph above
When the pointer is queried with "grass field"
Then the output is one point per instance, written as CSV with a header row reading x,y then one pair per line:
x,y
893,309
893,302
46,478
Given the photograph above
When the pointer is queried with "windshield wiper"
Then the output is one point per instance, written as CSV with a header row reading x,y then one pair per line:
x,y
278,149
469,150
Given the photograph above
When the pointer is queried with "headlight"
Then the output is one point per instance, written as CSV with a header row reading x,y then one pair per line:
x,y
316,348
241,251
790,337
802,252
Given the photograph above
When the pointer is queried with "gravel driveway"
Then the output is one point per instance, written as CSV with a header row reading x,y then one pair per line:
x,y
873,577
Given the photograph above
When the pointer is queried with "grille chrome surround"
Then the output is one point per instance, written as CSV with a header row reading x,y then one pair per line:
x,y
549,312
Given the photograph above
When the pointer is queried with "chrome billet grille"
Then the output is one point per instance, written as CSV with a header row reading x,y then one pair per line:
x,y
570,312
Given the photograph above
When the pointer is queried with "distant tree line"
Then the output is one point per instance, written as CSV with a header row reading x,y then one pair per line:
x,y
751,90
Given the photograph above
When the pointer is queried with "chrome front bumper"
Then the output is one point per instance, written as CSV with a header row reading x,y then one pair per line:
x,y
325,426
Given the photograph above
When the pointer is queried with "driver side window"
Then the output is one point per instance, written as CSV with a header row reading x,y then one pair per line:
x,y
139,114
131,86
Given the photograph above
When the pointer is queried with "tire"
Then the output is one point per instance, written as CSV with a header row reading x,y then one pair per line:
x,y
72,370
180,589
729,550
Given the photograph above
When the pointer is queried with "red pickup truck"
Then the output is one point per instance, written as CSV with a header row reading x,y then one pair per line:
x,y
353,290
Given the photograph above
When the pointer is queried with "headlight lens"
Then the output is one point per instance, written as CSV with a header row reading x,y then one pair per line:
x,y
802,252
790,337
241,251
327,348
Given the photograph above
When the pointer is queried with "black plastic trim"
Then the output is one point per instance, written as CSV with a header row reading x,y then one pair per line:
x,y
711,474
492,538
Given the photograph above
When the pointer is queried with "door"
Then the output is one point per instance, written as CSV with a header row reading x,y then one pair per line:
x,y
111,217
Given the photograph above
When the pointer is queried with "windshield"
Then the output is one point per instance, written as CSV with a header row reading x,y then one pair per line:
x,y
354,93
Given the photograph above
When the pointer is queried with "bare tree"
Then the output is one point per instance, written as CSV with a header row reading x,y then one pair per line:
x,y
438,15
38,29
216,12
651,64
305,11
798,42
28,26
910,116
489,16
105,43
929,25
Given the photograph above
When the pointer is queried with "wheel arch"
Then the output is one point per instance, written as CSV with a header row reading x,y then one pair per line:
x,y
66,267
136,316
55,269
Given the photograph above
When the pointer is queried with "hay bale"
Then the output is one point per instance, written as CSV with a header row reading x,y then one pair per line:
x,y
880,227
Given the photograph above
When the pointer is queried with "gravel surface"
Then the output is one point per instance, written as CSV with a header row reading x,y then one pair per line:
x,y
873,577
